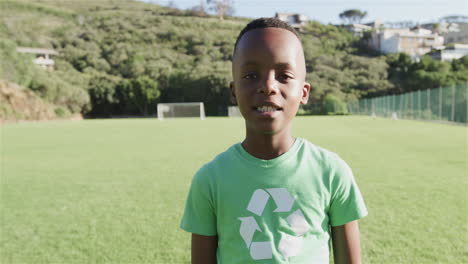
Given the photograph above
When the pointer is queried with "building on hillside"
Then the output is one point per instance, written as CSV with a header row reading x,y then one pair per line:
x,y
414,42
358,29
297,21
458,35
456,51
376,24
452,32
43,56
441,27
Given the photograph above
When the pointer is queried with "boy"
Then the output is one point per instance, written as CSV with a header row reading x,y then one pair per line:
x,y
273,197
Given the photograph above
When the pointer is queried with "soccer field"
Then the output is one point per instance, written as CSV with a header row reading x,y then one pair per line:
x,y
113,191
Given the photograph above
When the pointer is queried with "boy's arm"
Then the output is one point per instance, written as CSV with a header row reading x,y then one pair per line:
x,y
204,249
346,244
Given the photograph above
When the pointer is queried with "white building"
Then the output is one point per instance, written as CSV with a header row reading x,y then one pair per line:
x,y
457,34
297,21
451,53
358,29
452,32
414,42
42,56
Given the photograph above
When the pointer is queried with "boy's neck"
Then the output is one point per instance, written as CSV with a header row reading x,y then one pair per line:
x,y
266,146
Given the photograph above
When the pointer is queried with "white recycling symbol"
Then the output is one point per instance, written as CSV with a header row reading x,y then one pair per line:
x,y
289,246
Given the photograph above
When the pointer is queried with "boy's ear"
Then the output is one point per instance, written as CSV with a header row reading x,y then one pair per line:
x,y
233,93
305,93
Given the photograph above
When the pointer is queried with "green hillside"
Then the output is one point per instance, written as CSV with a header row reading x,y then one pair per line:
x,y
119,57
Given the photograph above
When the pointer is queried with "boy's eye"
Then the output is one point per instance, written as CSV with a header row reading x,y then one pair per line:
x,y
285,77
250,76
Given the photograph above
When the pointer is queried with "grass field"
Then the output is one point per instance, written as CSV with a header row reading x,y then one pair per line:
x,y
113,191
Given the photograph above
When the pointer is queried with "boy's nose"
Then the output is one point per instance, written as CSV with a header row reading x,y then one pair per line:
x,y
269,85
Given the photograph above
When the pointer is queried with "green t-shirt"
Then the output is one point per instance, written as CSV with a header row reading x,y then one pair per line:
x,y
273,211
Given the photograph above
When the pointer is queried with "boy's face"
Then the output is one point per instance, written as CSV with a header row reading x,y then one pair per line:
x,y
269,79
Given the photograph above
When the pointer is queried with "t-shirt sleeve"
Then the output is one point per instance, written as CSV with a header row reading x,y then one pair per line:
x,y
200,214
346,203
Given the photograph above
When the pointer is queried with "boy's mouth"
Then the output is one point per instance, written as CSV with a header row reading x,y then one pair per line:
x,y
268,108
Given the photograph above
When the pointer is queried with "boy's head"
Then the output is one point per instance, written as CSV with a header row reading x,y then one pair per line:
x,y
269,75
265,23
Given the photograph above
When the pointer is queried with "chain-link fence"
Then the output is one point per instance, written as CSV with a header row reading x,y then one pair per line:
x,y
442,104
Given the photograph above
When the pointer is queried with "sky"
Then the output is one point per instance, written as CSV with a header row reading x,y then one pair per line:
x,y
327,11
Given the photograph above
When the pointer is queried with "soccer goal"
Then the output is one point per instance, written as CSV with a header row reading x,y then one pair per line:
x,y
170,110
233,111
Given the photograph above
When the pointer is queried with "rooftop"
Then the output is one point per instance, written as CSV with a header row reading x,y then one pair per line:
x,y
36,51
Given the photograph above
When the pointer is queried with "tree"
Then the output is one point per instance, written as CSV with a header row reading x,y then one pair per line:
x,y
102,92
222,7
352,16
399,70
199,10
142,92
334,105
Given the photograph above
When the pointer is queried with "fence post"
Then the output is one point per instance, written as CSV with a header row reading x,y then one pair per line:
x,y
365,106
401,98
453,103
429,111
389,107
383,103
412,105
403,105
440,103
386,106
419,104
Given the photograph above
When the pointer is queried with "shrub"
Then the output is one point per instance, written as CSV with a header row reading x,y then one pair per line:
x,y
332,105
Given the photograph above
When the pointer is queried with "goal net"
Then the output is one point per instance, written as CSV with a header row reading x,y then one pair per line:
x,y
170,110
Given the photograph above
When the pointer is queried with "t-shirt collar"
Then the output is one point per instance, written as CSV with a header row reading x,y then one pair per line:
x,y
272,162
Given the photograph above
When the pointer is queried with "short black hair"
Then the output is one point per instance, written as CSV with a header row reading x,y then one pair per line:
x,y
265,22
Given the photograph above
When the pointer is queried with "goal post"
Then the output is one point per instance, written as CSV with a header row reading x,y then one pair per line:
x,y
173,110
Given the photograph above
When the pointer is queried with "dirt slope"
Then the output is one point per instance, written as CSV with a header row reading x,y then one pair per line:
x,y
18,104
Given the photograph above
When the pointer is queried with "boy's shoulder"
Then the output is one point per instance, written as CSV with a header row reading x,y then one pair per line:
x,y
325,156
225,158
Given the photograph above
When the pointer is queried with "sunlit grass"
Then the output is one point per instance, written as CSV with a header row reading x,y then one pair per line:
x,y
107,191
